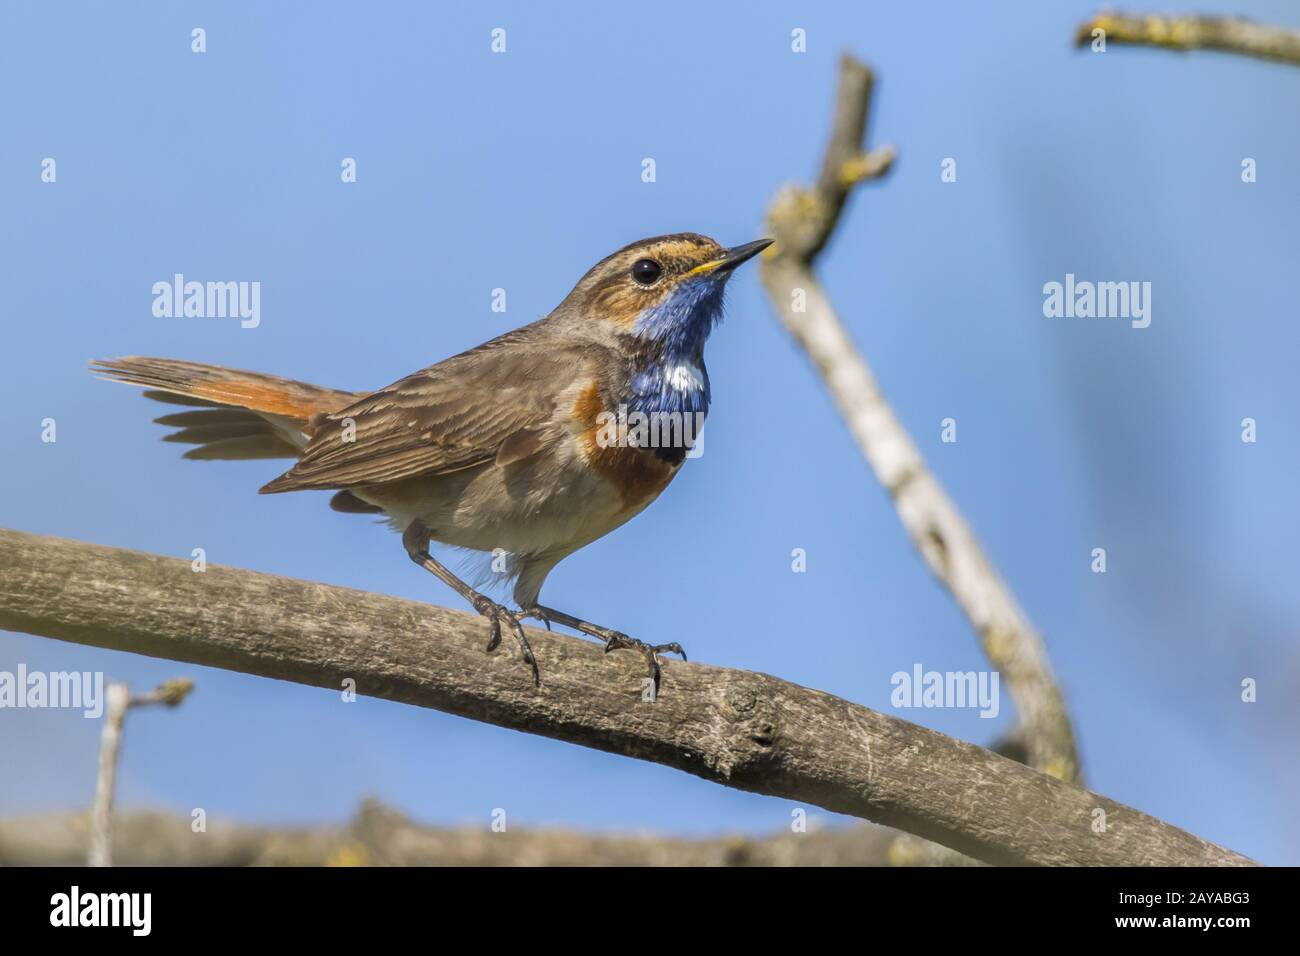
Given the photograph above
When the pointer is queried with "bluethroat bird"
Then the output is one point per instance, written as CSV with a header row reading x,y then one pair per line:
x,y
511,447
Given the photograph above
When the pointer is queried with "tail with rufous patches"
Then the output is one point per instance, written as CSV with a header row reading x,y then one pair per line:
x,y
237,414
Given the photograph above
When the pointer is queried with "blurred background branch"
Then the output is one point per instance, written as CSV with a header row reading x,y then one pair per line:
x,y
1226,34
382,836
802,219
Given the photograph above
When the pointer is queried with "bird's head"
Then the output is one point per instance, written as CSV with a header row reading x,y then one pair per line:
x,y
666,290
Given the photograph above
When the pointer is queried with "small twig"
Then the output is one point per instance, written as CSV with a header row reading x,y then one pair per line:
x,y
118,702
738,728
802,220
1226,34
169,693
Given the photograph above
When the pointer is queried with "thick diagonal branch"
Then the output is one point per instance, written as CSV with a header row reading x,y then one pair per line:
x,y
1226,34
738,728
802,220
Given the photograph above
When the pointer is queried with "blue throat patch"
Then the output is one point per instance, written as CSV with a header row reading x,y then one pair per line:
x,y
680,325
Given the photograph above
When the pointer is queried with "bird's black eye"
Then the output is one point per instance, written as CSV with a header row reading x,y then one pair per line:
x,y
646,271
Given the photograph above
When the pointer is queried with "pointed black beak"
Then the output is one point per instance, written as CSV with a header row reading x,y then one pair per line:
x,y
738,254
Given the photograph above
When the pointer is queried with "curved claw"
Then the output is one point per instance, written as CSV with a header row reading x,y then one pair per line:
x,y
536,612
651,652
524,648
495,612
653,671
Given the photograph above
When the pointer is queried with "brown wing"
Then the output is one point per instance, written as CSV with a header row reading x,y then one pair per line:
x,y
453,415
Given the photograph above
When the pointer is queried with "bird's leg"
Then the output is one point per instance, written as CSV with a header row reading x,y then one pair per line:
x,y
614,640
416,540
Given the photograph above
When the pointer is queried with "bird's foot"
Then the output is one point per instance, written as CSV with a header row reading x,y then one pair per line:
x,y
416,540
614,640
495,613
617,640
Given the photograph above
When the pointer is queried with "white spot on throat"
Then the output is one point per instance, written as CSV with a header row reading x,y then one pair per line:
x,y
684,377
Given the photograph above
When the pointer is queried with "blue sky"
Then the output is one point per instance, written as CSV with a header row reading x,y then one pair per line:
x,y
478,171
